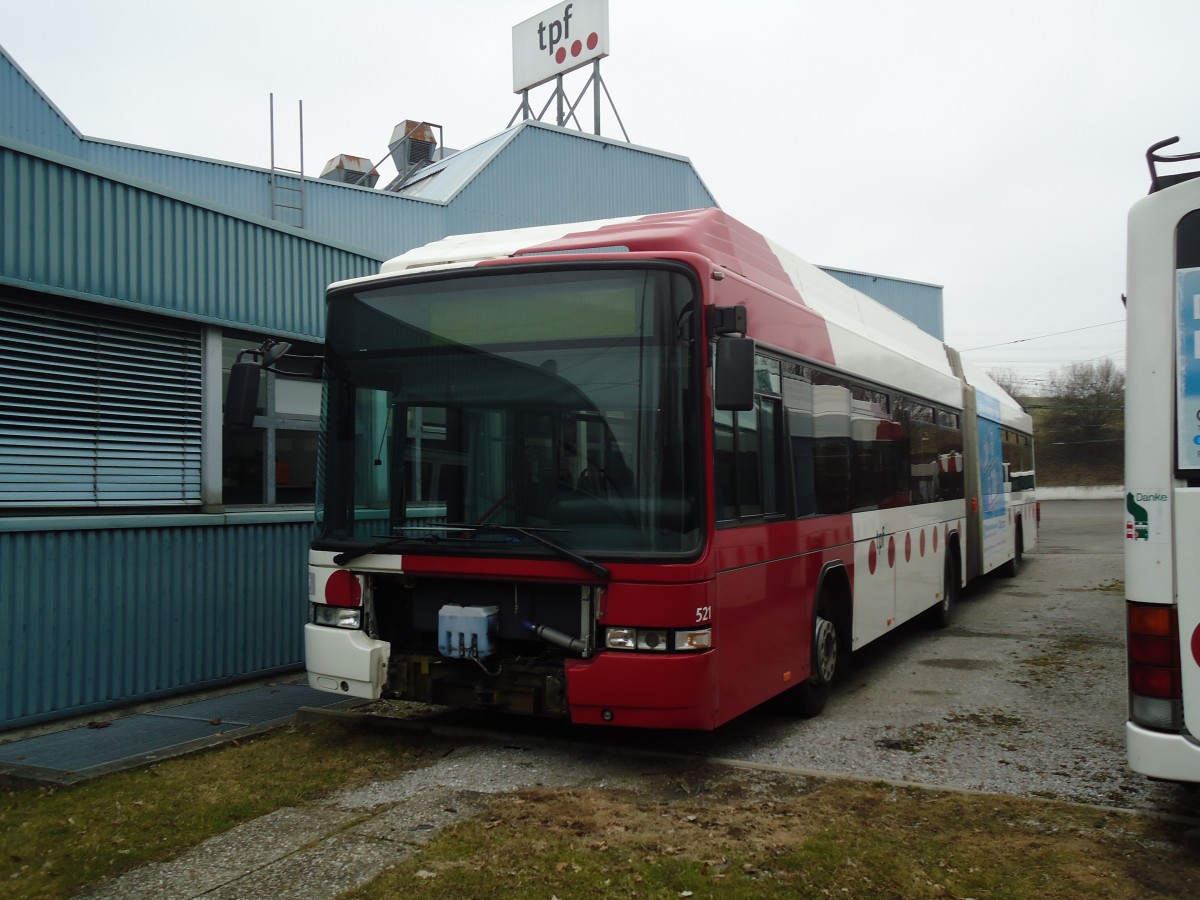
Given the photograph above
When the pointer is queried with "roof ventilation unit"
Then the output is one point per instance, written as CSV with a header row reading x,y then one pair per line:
x,y
414,145
345,169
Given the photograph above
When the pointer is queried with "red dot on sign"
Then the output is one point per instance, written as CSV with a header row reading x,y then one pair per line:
x,y
872,558
1196,644
935,539
593,40
560,55
923,541
908,547
577,48
891,552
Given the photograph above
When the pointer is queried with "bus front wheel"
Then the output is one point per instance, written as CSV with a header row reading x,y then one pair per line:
x,y
808,698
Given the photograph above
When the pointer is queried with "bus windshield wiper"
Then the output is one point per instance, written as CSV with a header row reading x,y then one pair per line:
x,y
532,533
535,534
347,555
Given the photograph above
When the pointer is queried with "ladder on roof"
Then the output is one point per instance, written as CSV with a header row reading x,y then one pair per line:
x,y
287,185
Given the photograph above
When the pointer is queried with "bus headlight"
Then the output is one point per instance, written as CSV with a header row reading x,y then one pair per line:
x,y
336,616
658,640
620,638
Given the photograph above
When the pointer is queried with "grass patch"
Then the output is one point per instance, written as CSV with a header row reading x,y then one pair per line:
x,y
792,837
55,841
690,830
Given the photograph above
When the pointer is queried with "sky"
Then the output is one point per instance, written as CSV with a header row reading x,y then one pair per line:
x,y
990,148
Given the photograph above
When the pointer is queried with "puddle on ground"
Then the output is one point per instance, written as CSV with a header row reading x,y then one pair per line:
x,y
963,664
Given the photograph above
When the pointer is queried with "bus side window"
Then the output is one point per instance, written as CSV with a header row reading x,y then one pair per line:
x,y
951,481
724,468
880,478
772,479
801,444
749,462
747,482
923,454
1018,460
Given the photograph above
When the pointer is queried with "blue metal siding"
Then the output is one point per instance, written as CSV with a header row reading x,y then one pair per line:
x,y
26,114
72,231
544,175
238,188
920,303
104,617
384,225
521,186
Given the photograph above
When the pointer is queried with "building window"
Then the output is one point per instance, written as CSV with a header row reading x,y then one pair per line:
x,y
274,461
99,408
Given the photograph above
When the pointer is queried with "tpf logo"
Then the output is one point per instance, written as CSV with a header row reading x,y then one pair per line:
x,y
559,40
558,31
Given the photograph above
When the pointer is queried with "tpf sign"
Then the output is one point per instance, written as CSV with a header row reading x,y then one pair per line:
x,y
559,40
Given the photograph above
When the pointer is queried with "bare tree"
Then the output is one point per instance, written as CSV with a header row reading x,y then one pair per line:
x,y
1011,382
1083,427
1088,400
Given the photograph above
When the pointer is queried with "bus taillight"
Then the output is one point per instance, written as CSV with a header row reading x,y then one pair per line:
x,y
1155,677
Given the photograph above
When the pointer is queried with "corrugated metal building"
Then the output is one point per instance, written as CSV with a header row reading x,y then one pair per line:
x,y
146,549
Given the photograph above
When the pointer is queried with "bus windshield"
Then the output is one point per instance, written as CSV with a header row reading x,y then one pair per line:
x,y
563,402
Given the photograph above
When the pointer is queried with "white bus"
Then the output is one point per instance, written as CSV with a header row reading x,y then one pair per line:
x,y
1162,474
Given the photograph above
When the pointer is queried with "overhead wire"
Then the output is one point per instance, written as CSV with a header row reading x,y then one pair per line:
x,y
1040,336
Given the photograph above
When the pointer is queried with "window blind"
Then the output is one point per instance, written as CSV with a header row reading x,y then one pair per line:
x,y
98,407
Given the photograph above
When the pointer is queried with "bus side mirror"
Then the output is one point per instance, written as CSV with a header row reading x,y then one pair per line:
x,y
241,400
734,388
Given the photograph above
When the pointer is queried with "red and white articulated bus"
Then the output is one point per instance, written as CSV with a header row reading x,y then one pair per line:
x,y
645,472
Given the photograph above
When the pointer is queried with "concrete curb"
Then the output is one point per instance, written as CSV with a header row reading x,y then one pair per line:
x,y
1092,492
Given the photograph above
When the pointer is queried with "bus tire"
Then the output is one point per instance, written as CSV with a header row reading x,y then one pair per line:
x,y
1012,568
808,698
940,614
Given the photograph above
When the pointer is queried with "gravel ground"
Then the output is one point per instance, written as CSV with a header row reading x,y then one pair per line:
x,y
1023,694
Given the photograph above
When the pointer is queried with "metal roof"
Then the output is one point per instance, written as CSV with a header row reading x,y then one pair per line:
x,y
442,181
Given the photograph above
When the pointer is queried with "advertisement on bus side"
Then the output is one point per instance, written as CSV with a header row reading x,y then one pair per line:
x,y
994,502
1187,369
